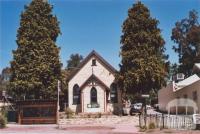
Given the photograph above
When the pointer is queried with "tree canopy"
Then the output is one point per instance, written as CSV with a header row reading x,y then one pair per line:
x,y
186,34
36,67
143,65
72,64
74,61
4,78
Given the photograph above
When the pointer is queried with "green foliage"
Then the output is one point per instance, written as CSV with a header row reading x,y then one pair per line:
x,y
64,83
35,66
143,66
143,128
4,79
98,115
153,97
5,74
89,115
173,69
4,111
69,112
93,115
74,61
4,85
186,34
117,110
72,64
151,125
3,121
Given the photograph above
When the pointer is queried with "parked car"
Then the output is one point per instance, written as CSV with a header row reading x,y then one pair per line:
x,y
148,106
134,111
156,106
137,106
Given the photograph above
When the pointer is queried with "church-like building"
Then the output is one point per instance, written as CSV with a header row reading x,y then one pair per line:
x,y
92,87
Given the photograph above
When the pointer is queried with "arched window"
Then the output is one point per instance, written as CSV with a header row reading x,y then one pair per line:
x,y
93,95
76,94
113,93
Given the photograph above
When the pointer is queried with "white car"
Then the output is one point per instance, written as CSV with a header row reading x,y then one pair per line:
x,y
137,106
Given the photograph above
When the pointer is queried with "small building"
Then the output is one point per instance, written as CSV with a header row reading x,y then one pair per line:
x,y
92,87
188,88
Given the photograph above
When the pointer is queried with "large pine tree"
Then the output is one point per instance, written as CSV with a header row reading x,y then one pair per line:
x,y
143,66
36,67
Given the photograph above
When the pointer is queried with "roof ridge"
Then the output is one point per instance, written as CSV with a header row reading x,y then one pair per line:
x,y
86,59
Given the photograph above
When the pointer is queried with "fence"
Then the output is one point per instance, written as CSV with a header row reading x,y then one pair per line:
x,y
37,111
167,121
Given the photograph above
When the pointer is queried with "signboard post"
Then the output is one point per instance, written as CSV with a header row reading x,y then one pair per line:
x,y
145,96
196,120
58,105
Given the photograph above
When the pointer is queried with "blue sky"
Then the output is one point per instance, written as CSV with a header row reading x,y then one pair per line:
x,y
92,24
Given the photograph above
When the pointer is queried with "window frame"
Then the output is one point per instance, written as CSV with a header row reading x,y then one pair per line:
x,y
94,62
194,95
76,95
93,96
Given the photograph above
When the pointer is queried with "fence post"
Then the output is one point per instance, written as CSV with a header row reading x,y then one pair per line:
x,y
145,120
150,117
185,125
156,121
163,123
140,120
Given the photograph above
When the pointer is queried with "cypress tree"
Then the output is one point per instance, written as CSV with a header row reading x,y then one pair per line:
x,y
143,66
35,66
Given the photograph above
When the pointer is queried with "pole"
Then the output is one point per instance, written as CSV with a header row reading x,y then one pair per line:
x,y
58,106
145,112
163,121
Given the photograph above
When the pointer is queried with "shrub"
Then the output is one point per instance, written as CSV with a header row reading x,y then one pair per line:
x,y
143,128
4,111
151,125
89,115
2,121
99,115
117,110
69,112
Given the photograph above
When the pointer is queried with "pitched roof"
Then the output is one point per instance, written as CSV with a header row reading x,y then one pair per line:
x,y
85,60
196,67
186,82
95,79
